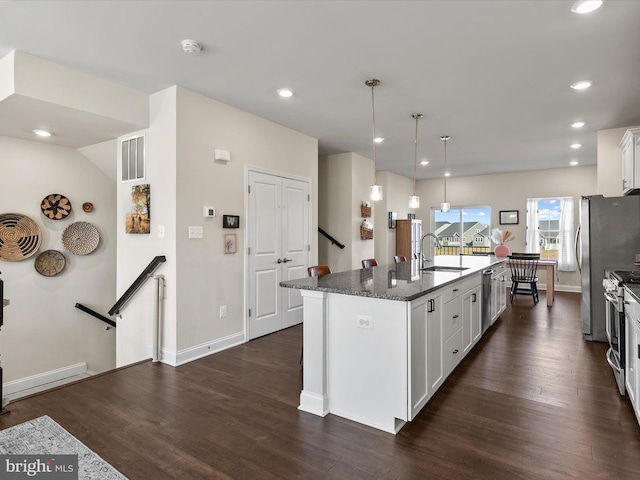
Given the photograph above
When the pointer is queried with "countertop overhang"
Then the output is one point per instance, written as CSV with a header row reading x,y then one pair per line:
x,y
400,281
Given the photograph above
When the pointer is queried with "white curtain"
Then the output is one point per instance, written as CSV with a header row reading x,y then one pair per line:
x,y
533,233
567,252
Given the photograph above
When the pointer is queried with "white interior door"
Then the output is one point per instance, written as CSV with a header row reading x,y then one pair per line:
x,y
278,228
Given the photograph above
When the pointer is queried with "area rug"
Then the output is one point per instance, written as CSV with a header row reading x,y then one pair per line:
x,y
44,436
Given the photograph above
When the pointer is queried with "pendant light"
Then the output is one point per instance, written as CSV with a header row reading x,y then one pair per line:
x,y
376,190
414,200
445,206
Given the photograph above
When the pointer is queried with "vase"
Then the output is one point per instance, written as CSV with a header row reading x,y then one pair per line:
x,y
502,250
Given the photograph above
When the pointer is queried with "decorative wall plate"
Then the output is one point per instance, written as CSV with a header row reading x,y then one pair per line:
x,y
50,263
20,237
80,238
87,207
55,206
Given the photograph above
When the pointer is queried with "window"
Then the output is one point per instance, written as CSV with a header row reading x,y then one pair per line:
x,y
133,158
462,230
550,230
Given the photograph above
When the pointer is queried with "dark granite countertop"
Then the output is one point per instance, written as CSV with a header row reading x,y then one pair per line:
x,y
402,281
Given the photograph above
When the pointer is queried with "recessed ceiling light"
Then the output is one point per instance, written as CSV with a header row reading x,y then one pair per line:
x,y
447,174
573,163
378,139
42,133
424,162
577,124
575,145
586,6
581,85
285,92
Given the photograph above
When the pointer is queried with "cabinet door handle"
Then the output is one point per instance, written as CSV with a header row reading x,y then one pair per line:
x,y
455,316
455,351
430,308
455,289
474,298
639,352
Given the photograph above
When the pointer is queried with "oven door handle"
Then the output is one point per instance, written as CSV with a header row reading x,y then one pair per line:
x,y
611,298
611,362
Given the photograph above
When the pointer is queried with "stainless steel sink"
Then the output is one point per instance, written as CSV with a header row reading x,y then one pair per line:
x,y
438,268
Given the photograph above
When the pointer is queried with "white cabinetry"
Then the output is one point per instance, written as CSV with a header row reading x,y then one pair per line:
x,y
632,351
472,318
630,146
426,362
498,291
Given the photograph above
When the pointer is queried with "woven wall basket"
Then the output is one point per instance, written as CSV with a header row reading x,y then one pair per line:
x,y
80,238
20,237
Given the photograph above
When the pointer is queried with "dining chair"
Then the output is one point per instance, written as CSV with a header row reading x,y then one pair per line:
x,y
400,258
316,270
524,267
369,262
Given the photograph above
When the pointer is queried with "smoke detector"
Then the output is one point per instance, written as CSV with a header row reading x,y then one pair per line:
x,y
191,46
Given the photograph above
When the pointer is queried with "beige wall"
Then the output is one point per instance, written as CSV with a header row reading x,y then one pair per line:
x,y
345,180
509,191
396,191
206,277
42,329
610,161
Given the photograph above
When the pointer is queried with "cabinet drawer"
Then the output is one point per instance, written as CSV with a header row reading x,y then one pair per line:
x,y
452,291
452,317
453,352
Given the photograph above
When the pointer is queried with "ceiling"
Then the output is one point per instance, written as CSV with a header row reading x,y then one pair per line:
x,y
494,75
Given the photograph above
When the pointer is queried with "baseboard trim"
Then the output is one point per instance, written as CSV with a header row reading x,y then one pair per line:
x,y
190,354
44,378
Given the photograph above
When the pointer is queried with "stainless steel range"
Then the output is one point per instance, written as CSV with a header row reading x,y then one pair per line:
x,y
614,320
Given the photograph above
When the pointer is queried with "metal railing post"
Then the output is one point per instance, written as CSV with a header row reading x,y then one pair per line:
x,y
158,316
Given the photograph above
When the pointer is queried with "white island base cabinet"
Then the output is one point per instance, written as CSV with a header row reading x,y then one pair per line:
x,y
379,361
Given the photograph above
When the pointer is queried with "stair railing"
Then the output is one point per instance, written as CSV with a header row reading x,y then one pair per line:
x,y
333,240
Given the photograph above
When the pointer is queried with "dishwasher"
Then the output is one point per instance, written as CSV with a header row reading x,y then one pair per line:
x,y
486,299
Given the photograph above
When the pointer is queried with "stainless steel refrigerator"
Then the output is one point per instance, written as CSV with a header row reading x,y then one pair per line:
x,y
608,238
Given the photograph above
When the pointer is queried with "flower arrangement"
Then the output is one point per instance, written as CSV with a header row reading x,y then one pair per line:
x,y
500,237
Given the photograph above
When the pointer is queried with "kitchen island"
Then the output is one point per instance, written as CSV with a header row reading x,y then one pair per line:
x,y
379,342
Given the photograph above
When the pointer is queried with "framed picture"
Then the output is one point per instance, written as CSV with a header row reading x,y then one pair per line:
x,y
508,217
411,216
392,219
230,221
230,243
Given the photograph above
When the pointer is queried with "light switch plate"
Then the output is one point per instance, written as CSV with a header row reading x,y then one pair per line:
x,y
195,232
160,231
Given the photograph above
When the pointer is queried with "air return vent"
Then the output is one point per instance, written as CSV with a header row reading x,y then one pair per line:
x,y
133,159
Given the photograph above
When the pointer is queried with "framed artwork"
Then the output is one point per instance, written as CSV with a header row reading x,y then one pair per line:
x,y
392,219
138,220
509,217
230,243
411,216
230,221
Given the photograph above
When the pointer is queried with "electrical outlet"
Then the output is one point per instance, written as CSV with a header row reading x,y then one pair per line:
x,y
364,321
223,311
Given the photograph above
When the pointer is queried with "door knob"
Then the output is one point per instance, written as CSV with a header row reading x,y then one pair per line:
x,y
285,259
279,260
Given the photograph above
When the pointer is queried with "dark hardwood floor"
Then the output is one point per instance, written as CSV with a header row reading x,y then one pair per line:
x,y
531,401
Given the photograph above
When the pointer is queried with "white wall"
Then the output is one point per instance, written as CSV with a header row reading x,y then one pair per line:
x,y
104,156
509,191
610,161
43,331
396,191
135,251
206,277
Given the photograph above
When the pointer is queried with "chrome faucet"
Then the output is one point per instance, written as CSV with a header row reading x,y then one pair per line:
x,y
438,244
